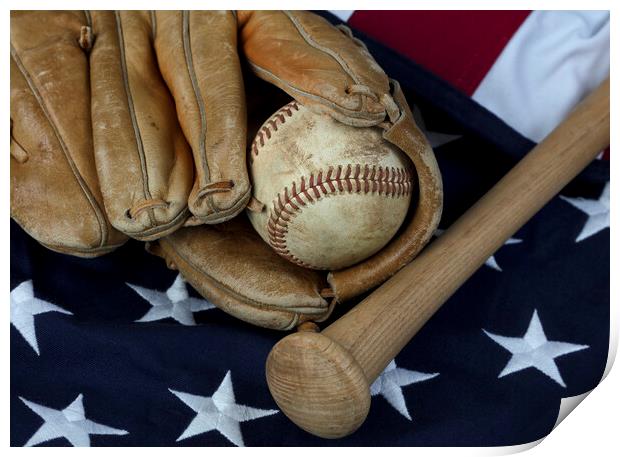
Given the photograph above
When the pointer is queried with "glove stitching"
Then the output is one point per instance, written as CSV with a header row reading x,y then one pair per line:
x,y
334,54
160,230
361,118
86,39
308,39
347,31
390,182
189,62
385,100
97,210
146,205
247,301
89,19
216,187
132,114
153,25
85,252
225,215
21,155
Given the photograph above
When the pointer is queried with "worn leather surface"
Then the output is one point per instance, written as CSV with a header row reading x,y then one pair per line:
x,y
134,123
332,194
230,265
197,53
339,63
425,218
142,83
318,66
55,191
143,161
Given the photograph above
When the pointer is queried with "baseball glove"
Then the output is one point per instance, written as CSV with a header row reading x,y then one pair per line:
x,y
134,124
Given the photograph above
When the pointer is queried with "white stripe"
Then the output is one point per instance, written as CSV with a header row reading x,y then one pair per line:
x,y
343,15
549,65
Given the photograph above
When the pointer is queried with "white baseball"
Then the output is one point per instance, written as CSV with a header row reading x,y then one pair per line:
x,y
333,194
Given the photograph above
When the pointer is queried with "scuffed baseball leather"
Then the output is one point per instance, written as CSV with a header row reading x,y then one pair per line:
x,y
405,134
338,64
146,131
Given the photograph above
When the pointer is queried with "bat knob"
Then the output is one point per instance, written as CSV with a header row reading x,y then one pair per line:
x,y
318,384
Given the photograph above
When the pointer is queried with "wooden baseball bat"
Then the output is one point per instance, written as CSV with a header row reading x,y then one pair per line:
x,y
321,380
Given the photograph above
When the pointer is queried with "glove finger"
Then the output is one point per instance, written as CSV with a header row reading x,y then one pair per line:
x,y
143,160
319,65
197,54
55,192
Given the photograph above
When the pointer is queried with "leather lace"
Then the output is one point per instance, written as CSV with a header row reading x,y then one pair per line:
x,y
146,205
385,100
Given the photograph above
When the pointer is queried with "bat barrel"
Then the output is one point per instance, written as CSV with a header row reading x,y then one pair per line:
x,y
321,380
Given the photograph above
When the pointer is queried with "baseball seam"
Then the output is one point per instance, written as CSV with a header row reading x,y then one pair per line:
x,y
271,125
352,178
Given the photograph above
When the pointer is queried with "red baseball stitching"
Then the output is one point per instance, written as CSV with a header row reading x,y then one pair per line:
x,y
391,182
272,123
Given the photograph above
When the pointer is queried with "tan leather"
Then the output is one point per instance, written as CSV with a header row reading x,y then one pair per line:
x,y
197,53
317,64
55,191
230,265
64,62
144,163
133,62
405,134
343,284
336,61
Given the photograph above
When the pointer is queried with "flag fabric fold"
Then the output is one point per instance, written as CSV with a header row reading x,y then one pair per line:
x,y
120,351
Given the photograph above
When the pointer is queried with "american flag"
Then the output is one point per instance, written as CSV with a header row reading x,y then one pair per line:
x,y
120,351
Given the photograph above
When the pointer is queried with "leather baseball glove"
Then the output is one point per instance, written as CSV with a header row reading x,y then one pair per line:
x,y
135,124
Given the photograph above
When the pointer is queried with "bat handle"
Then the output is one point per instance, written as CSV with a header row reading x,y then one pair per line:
x,y
321,380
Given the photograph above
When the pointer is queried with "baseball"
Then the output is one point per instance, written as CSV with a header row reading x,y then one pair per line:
x,y
332,195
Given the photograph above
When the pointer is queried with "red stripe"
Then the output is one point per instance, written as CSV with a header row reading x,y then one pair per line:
x,y
606,154
458,46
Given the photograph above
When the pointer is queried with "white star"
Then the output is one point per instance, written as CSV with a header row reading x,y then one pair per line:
x,y
597,211
435,139
219,412
69,423
24,306
175,303
491,262
389,385
534,350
